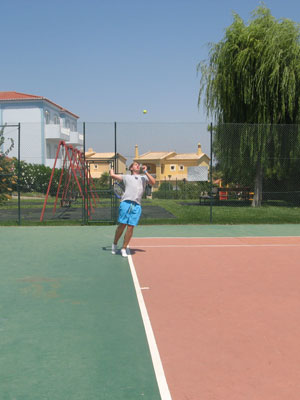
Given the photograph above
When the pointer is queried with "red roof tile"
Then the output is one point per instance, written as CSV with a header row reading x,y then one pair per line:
x,y
11,96
17,96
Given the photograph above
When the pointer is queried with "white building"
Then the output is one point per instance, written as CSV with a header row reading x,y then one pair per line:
x,y
43,124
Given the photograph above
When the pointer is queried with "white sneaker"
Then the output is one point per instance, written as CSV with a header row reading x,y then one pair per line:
x,y
124,253
113,248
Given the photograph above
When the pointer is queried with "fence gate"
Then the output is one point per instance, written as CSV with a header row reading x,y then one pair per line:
x,y
100,202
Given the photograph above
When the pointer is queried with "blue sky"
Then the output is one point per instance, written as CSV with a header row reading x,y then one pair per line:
x,y
108,60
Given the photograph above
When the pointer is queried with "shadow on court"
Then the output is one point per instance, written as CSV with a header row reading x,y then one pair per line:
x,y
132,251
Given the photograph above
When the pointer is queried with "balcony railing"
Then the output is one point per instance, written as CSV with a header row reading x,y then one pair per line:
x,y
76,138
53,131
56,132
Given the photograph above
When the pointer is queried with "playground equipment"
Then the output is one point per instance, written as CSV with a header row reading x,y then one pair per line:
x,y
75,180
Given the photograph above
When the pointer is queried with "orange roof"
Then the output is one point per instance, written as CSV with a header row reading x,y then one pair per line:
x,y
91,154
169,156
155,155
14,96
187,156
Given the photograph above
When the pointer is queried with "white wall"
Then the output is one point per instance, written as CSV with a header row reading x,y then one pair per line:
x,y
18,114
31,132
34,147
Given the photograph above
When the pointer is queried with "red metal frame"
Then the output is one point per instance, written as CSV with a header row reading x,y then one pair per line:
x,y
75,158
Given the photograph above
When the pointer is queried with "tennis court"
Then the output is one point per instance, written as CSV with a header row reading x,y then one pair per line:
x,y
197,312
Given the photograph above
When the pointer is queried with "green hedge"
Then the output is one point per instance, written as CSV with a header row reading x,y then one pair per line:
x,y
183,190
36,178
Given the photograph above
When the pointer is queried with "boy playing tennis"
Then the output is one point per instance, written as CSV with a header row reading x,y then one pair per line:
x,y
130,207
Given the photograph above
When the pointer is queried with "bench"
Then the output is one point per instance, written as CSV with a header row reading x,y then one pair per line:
x,y
205,197
223,194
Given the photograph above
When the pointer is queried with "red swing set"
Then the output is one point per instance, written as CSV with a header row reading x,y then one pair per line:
x,y
74,172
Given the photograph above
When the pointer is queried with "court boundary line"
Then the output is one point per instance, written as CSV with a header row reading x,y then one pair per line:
x,y
156,360
212,237
214,245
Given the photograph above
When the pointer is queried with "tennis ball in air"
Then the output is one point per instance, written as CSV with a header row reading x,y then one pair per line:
x,y
144,111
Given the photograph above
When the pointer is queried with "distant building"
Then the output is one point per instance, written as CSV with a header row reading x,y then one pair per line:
x,y
172,166
43,124
100,162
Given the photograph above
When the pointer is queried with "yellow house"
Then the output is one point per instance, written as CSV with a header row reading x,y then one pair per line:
x,y
100,162
171,166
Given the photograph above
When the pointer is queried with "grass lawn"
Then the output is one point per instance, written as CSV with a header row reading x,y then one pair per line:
x,y
184,211
196,214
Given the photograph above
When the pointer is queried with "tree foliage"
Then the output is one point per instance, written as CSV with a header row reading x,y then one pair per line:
x,y
36,177
183,190
252,80
104,180
253,75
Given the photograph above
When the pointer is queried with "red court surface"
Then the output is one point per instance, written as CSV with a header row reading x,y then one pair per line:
x,y
225,313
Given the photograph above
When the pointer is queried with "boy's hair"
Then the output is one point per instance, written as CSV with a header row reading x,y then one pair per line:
x,y
131,165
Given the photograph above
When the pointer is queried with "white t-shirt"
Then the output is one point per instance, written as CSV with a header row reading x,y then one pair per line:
x,y
135,186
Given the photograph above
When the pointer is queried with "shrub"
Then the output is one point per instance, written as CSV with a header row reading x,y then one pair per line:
x,y
183,190
7,173
36,178
7,178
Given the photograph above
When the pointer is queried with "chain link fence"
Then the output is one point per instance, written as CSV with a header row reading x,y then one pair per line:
x,y
257,164
205,173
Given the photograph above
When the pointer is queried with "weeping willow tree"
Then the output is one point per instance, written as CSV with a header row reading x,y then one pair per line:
x,y
252,80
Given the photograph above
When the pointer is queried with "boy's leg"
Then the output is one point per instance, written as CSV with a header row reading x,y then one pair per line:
x,y
119,231
118,234
128,236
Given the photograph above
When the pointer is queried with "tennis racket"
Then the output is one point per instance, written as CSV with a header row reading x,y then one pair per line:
x,y
118,188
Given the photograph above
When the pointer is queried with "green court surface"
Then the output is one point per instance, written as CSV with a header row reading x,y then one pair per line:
x,y
217,230
70,324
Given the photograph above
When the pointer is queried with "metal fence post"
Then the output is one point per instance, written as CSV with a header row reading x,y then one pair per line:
x,y
19,174
84,216
115,137
210,176
114,200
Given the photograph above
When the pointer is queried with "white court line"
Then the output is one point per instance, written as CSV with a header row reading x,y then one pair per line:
x,y
214,237
180,246
157,364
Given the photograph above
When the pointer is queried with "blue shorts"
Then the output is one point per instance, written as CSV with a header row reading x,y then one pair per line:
x,y
129,212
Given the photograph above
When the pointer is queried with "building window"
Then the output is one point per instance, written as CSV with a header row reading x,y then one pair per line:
x,y
47,117
56,120
181,167
148,168
48,150
173,167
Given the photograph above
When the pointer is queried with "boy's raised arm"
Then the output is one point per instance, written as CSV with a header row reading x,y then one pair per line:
x,y
114,176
